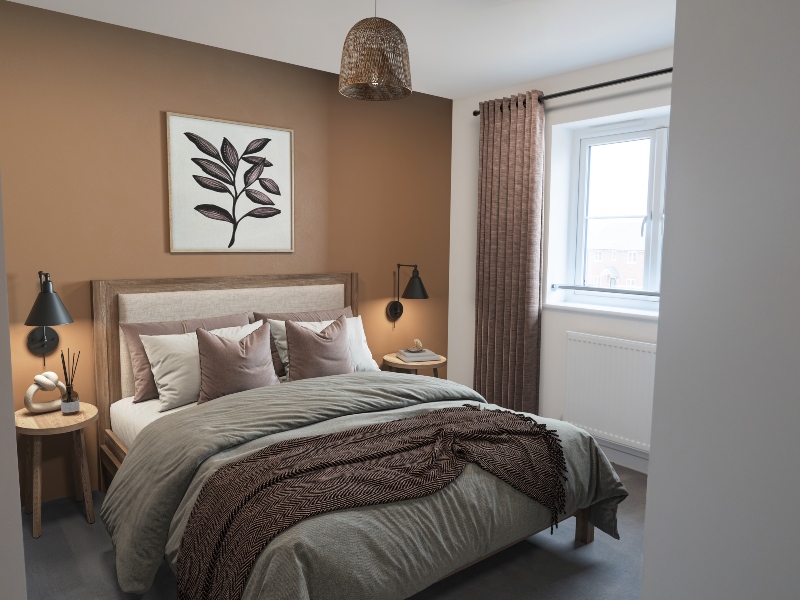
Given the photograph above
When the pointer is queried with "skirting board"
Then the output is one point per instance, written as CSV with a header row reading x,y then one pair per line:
x,y
631,458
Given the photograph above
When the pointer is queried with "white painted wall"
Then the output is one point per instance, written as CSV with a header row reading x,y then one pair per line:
x,y
12,563
556,322
725,459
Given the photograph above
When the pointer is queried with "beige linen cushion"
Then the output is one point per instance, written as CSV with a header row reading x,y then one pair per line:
x,y
144,384
318,353
175,361
315,316
357,339
228,366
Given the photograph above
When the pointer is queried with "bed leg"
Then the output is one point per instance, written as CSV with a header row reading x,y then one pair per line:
x,y
584,530
103,483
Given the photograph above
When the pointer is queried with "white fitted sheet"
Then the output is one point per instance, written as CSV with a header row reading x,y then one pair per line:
x,y
128,419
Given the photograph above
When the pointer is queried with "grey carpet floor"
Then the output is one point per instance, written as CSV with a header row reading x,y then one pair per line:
x,y
75,560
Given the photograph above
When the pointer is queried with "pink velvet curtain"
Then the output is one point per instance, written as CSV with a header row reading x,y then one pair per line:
x,y
508,304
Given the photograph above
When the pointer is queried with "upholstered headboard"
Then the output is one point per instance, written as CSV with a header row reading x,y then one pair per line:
x,y
146,300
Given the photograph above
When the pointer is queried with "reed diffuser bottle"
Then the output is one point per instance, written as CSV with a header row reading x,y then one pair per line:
x,y
70,402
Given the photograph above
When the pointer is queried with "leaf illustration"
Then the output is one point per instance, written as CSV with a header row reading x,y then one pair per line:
x,y
256,146
264,212
215,170
214,212
202,144
211,184
254,160
259,197
270,186
229,154
252,174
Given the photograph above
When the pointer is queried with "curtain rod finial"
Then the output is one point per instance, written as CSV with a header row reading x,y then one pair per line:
x,y
475,113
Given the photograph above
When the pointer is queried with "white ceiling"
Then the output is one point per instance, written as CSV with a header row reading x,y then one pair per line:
x,y
457,47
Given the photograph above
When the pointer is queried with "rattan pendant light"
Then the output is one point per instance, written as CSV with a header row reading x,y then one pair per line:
x,y
375,62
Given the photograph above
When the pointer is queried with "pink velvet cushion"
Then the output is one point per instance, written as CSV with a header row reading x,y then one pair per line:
x,y
144,385
228,366
315,354
315,316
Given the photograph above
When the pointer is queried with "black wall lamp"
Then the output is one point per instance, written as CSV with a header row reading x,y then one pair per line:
x,y
415,290
47,310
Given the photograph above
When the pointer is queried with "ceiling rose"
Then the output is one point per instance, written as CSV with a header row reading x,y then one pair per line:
x,y
375,62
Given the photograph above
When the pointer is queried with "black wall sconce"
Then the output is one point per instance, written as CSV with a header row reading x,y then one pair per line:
x,y
415,290
47,310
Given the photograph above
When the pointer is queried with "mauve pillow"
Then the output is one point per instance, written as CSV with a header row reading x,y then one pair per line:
x,y
317,354
143,383
316,316
228,366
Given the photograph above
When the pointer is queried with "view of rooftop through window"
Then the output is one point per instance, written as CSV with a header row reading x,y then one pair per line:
x,y
616,208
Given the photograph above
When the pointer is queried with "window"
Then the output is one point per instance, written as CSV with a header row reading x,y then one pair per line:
x,y
620,208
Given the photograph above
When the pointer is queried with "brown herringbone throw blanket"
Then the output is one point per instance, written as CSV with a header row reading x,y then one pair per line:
x,y
246,504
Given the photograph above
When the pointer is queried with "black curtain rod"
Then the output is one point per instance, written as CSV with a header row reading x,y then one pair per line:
x,y
592,87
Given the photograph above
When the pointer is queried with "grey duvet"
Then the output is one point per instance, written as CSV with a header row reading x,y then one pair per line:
x,y
385,551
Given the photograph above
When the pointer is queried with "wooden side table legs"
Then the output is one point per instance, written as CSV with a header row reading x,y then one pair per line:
x,y
81,471
33,487
76,467
28,475
34,492
436,372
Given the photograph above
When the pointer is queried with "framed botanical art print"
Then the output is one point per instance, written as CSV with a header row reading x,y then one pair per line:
x,y
231,186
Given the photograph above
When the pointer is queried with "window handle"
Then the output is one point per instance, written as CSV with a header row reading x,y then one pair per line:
x,y
644,222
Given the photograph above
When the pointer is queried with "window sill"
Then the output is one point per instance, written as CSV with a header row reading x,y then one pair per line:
x,y
604,311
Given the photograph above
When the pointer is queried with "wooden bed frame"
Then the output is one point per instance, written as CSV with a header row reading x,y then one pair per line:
x,y
106,332
105,315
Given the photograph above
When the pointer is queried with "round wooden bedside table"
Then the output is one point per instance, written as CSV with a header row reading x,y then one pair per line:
x,y
393,363
52,423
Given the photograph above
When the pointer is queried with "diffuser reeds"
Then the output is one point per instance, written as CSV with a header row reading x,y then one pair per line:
x,y
72,362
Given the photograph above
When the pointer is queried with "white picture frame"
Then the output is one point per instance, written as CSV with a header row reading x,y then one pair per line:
x,y
231,186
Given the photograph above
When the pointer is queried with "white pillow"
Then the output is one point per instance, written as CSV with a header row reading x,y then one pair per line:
x,y
175,361
357,341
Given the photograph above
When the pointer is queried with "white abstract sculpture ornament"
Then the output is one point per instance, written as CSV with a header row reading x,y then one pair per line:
x,y
417,347
47,381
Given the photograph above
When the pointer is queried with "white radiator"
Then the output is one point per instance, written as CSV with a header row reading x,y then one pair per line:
x,y
609,388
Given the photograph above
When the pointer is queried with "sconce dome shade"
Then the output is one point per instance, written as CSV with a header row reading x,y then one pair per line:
x,y
375,63
48,308
415,290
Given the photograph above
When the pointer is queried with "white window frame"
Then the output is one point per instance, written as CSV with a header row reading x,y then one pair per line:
x,y
598,256
633,255
657,130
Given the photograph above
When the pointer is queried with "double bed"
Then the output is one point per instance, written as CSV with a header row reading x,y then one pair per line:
x,y
148,300
155,465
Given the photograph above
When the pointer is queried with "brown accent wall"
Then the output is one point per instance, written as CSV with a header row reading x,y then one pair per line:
x,y
389,203
84,180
